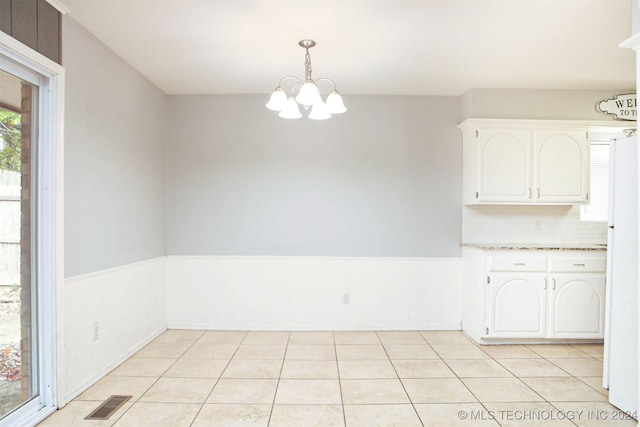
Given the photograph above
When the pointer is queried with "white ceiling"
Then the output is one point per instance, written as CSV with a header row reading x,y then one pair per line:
x,y
424,47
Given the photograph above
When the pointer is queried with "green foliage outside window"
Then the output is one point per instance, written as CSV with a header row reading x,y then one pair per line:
x,y
10,140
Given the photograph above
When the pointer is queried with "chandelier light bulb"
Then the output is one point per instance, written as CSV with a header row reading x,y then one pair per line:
x,y
335,104
290,110
277,101
309,94
305,92
319,111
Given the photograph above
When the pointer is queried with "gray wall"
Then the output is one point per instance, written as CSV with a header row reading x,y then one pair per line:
x,y
384,179
115,145
635,17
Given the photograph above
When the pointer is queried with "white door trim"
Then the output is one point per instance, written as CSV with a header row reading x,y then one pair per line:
x,y
50,223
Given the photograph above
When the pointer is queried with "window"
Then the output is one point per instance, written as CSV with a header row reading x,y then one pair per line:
x,y
598,207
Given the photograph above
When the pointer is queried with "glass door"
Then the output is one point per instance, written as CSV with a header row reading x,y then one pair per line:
x,y
29,261
18,322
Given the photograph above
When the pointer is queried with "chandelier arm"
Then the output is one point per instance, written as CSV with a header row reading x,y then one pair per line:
x,y
295,86
288,77
327,80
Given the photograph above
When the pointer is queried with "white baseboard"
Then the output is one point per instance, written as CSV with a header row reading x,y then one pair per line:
x,y
72,394
305,293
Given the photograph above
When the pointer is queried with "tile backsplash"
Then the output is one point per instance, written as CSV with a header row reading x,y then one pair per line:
x,y
529,224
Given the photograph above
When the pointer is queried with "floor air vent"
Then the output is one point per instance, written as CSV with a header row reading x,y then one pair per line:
x,y
108,408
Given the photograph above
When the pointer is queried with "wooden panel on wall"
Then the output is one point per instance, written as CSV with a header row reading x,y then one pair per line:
x,y
33,22
5,16
48,31
24,22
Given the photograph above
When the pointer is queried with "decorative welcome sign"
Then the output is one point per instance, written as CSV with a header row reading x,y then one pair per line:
x,y
624,107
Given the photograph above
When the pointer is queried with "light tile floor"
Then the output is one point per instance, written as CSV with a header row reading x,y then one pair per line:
x,y
428,378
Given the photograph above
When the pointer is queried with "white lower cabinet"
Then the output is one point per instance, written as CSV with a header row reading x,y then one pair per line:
x,y
576,306
533,296
517,305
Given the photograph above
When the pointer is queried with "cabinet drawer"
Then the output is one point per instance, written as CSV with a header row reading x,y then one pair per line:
x,y
517,263
577,264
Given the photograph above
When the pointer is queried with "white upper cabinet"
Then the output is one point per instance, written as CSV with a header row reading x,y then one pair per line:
x,y
504,165
525,162
562,166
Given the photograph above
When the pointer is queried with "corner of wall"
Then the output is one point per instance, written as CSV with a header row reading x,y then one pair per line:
x,y
109,315
465,105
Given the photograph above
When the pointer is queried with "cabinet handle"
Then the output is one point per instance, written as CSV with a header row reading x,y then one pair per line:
x,y
529,192
578,265
538,192
519,263
554,284
545,283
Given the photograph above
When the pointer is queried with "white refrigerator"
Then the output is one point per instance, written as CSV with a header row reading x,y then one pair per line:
x,y
621,330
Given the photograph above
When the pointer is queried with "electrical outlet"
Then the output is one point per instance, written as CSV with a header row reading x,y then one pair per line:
x,y
96,331
538,225
346,298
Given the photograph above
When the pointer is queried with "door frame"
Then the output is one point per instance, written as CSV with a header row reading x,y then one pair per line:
x,y
50,226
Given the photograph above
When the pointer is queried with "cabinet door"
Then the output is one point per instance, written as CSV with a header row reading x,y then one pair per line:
x,y
576,306
504,165
561,166
516,305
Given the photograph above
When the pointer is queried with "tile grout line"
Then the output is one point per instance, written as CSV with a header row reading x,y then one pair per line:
x,y
400,380
335,352
176,361
524,383
586,355
589,385
535,391
219,377
158,379
275,394
544,401
160,376
465,385
515,376
571,375
582,351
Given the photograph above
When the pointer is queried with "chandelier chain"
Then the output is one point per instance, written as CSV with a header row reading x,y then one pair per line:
x,y
307,66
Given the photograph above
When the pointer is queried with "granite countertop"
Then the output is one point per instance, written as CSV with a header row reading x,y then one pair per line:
x,y
536,246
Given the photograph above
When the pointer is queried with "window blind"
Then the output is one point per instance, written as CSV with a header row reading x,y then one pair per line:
x,y
598,207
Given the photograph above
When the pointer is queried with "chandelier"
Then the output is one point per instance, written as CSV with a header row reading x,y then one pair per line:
x,y
305,93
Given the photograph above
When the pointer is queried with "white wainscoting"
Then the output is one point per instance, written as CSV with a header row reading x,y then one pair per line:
x,y
129,305
305,293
